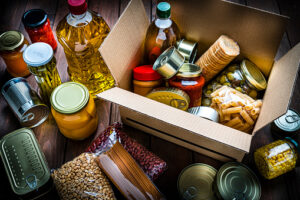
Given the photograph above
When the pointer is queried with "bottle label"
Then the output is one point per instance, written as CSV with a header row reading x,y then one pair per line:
x,y
186,83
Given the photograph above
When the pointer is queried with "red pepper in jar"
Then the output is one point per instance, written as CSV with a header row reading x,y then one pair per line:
x,y
38,27
190,80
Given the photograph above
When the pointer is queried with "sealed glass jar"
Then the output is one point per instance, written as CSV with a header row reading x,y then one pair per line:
x,y
12,46
38,27
42,64
189,79
276,158
74,110
245,77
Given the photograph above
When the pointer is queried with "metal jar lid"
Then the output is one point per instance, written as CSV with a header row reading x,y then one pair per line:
x,y
253,75
205,112
169,62
188,49
34,18
38,54
69,97
24,162
10,40
236,181
188,70
196,182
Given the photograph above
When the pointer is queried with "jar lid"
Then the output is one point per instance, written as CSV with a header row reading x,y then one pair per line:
x,y
38,54
34,18
196,182
289,122
205,112
294,143
163,10
188,70
145,73
253,75
236,181
77,7
169,62
69,97
24,162
10,40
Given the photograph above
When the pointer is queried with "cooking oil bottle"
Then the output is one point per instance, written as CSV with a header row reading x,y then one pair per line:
x,y
161,34
81,33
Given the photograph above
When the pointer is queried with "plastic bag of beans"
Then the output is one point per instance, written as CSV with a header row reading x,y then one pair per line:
x,y
151,164
82,179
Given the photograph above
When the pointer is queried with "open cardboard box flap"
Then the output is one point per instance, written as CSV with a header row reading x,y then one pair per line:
x,y
258,34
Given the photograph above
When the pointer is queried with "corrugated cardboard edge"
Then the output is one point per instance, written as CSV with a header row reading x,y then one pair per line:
x,y
123,52
277,95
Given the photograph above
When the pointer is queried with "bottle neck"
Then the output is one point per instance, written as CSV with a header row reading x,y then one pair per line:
x,y
78,17
163,22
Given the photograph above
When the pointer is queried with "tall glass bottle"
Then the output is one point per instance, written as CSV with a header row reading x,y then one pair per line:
x,y
161,34
81,33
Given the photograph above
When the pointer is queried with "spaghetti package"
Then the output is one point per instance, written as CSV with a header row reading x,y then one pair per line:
x,y
236,110
151,164
125,173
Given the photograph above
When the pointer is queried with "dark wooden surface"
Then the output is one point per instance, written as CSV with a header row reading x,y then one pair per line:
x,y
59,150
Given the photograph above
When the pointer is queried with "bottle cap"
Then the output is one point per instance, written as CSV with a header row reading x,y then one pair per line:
x,y
10,40
38,54
163,10
77,7
145,73
34,18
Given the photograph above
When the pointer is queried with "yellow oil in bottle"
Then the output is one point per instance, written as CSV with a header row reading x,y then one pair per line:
x,y
81,35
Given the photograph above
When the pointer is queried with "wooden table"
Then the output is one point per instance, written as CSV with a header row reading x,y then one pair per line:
x,y
59,150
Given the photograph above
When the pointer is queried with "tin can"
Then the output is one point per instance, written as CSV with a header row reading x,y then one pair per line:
x,y
24,102
26,166
188,49
205,112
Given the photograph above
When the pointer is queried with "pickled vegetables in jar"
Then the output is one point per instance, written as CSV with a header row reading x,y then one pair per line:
x,y
276,158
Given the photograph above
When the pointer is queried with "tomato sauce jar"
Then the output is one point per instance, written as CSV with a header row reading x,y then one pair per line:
x,y
37,25
190,80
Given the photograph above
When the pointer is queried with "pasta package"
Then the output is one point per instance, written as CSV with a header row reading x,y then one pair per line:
x,y
125,173
236,110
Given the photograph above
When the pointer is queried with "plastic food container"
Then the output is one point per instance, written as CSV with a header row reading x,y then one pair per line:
x,y
38,27
276,158
26,166
74,110
12,46
42,64
245,77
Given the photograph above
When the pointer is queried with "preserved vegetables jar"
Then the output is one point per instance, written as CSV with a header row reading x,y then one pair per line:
x,y
161,34
245,77
12,46
276,158
37,25
81,33
74,110
42,64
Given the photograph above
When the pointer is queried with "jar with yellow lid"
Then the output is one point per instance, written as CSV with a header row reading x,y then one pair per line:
x,y
12,46
276,158
74,110
245,77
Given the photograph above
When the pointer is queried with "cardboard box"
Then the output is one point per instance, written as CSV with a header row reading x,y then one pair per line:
x,y
257,32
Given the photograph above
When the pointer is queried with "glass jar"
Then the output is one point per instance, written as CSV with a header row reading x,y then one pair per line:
x,y
74,110
12,46
190,80
42,64
245,77
37,25
276,158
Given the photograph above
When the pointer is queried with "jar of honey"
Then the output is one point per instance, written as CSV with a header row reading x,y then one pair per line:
x,y
12,46
276,158
74,110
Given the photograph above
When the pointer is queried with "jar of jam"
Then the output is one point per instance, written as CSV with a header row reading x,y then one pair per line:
x,y
12,46
244,77
42,64
74,110
38,27
276,158
190,80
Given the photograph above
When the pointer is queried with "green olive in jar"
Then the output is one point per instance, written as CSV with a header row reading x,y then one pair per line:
x,y
253,94
230,76
223,79
233,67
206,102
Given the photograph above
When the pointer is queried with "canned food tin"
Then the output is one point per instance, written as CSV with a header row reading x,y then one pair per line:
x,y
236,181
205,112
24,102
188,49
25,164
196,182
